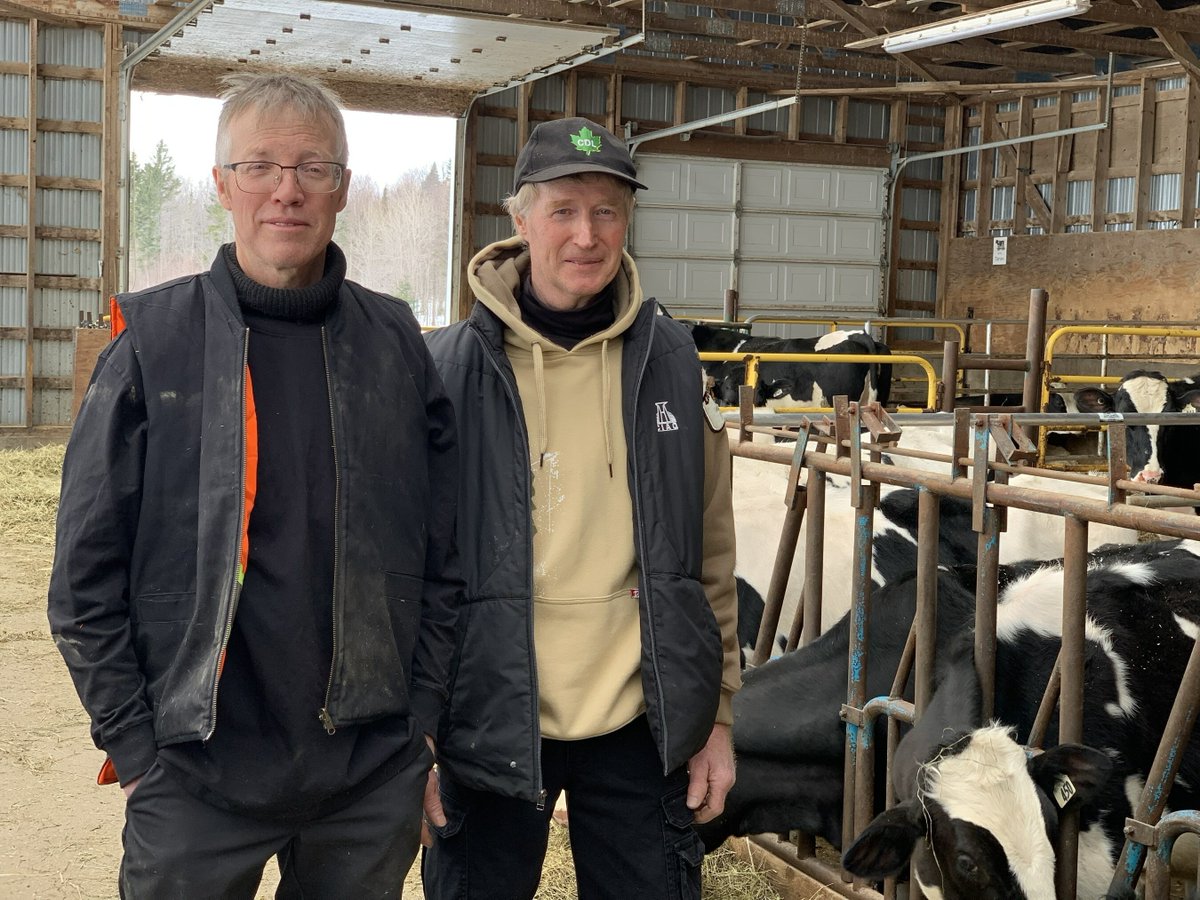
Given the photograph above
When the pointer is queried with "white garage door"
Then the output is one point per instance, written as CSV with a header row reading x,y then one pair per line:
x,y
792,239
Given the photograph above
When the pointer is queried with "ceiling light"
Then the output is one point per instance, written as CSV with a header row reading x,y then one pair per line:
x,y
975,24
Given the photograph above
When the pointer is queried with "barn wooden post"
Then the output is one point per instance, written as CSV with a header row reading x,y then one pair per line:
x,y
1035,344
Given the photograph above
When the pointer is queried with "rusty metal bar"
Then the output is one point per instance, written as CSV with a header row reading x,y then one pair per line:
x,y
859,779
1033,499
1035,342
928,519
795,501
814,558
988,555
1041,722
1161,839
1070,707
1162,772
729,309
949,375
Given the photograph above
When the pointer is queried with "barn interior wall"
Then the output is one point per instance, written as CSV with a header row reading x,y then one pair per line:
x,y
818,130
1139,277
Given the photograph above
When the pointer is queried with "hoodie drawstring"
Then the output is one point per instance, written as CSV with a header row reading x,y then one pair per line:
x,y
605,393
539,379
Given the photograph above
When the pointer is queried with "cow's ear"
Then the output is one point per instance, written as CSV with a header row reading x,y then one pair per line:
x,y
1093,400
1071,774
885,846
1190,399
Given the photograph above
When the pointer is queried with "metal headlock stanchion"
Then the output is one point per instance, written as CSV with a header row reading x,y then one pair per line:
x,y
966,478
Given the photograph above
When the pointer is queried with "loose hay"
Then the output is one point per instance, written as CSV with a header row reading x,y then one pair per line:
x,y
29,483
725,876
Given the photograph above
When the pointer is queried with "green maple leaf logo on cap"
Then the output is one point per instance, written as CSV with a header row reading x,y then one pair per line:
x,y
586,141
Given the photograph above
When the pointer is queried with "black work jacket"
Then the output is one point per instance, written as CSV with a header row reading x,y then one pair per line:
x,y
157,490
490,738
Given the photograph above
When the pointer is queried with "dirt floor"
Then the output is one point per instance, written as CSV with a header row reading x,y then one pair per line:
x,y
60,833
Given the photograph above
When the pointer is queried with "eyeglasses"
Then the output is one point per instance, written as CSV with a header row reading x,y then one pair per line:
x,y
261,177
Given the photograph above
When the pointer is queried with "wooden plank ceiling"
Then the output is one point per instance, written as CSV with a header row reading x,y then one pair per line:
x,y
775,46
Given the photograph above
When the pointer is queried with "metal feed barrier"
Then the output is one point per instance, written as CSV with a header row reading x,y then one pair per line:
x,y
837,445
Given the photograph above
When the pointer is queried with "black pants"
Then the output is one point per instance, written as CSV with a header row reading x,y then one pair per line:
x,y
177,846
631,831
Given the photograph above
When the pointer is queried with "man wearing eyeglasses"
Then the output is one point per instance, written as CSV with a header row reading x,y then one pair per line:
x,y
255,581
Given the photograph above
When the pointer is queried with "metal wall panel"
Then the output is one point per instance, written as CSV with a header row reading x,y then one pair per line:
x,y
497,137
549,94
12,358
702,102
13,208
868,119
14,40
817,115
489,229
775,120
14,95
66,155
493,183
68,208
12,406
60,308
1166,191
79,258
654,101
12,307
591,97
70,99
14,152
508,98
71,47
12,255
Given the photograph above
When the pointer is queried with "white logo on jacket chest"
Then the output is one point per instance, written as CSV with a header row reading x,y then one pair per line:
x,y
664,418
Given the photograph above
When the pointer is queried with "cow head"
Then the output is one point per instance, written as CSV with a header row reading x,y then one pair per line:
x,y
984,818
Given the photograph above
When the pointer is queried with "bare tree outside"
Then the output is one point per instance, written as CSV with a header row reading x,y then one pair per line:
x,y
395,236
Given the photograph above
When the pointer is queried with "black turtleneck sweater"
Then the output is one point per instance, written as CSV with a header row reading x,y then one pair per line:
x,y
270,755
566,327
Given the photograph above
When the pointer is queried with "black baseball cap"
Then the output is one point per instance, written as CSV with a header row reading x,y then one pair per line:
x,y
571,147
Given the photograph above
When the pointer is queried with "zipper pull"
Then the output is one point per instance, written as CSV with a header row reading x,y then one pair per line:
x,y
541,803
327,721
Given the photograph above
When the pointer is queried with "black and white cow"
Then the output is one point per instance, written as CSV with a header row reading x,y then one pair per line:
x,y
758,511
796,383
1143,617
1157,454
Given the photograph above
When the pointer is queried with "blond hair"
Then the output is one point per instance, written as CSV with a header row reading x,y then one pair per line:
x,y
522,201
268,94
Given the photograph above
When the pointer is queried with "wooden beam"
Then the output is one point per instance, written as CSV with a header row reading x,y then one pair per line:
x,y
1145,154
951,195
1062,162
1175,44
72,13
844,13
31,209
1100,168
1025,190
1191,153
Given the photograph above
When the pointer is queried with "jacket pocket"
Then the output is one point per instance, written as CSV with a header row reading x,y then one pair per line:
x,y
160,622
403,594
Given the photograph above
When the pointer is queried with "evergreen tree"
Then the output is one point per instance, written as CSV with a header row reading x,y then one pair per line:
x,y
153,185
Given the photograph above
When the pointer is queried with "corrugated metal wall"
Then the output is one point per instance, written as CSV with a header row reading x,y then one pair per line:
x,y
66,159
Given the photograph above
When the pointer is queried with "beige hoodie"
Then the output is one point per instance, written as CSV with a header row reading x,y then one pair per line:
x,y
586,613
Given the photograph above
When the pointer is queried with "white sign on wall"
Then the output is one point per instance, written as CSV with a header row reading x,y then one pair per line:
x,y
999,251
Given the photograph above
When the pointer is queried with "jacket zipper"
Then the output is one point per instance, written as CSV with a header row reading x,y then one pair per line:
x,y
510,390
234,588
326,718
641,540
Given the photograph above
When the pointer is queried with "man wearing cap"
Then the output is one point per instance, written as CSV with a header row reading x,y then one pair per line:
x,y
597,644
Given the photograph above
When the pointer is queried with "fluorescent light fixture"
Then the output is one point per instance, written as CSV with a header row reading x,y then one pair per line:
x,y
1000,19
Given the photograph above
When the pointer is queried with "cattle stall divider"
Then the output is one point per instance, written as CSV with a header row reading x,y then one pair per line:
x,y
752,361
836,446
1048,376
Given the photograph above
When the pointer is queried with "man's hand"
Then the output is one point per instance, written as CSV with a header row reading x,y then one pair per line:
x,y
711,775
433,802
130,786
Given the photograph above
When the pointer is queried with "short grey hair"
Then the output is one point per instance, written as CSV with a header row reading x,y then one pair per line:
x,y
264,95
522,201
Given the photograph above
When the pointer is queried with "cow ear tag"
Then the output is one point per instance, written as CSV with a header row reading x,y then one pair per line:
x,y
712,412
1064,790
